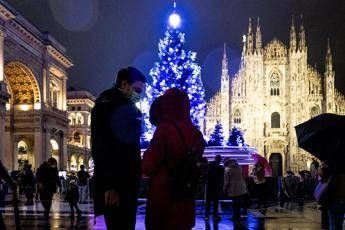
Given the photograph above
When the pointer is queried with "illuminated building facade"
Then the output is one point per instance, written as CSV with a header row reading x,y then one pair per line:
x,y
33,116
274,90
79,106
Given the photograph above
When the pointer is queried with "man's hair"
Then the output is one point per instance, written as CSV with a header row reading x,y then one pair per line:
x,y
129,74
82,166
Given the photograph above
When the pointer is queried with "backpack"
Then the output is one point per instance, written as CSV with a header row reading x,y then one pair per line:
x,y
185,175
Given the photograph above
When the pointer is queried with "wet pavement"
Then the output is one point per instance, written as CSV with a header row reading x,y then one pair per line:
x,y
290,217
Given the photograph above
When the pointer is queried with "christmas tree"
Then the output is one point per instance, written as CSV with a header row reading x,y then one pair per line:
x,y
216,138
236,138
176,68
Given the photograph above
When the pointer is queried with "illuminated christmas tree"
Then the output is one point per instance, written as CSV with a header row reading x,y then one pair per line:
x,y
236,138
176,68
217,138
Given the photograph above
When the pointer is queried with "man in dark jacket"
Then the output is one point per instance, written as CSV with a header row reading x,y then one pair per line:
x,y
48,181
115,132
215,177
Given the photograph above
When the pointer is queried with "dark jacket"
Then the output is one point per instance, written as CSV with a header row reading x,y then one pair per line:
x,y
165,149
215,176
49,177
72,192
115,134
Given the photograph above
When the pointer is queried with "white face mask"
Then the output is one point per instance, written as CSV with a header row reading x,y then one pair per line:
x,y
135,97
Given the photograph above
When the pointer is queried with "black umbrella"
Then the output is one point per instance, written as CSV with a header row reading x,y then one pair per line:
x,y
324,137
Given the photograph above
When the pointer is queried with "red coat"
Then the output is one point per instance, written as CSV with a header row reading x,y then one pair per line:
x,y
166,147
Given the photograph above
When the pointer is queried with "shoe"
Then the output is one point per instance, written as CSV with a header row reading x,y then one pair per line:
x,y
79,215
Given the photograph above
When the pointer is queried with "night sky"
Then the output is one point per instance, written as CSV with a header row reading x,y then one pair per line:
x,y
102,36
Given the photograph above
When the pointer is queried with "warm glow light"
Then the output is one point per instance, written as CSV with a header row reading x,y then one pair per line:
x,y
37,106
24,107
175,20
54,144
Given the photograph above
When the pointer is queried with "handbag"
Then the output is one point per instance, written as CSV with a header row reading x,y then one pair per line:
x,y
321,189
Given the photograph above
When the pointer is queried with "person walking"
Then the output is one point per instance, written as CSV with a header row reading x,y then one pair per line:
x,y
7,178
214,186
174,135
72,197
48,181
28,183
260,185
235,187
83,177
336,198
115,133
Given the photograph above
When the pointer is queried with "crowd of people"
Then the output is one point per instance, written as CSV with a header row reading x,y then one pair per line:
x,y
173,164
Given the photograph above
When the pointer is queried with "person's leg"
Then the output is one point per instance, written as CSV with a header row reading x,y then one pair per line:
x,y
80,194
72,209
46,200
236,208
324,218
207,205
215,201
77,208
123,216
336,211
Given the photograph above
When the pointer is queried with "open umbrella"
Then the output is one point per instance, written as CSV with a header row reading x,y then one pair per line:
x,y
324,137
260,159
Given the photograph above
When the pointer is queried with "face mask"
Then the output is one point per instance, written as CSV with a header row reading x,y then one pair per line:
x,y
135,97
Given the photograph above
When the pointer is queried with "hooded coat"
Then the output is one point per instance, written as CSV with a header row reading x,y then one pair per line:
x,y
115,132
165,149
234,184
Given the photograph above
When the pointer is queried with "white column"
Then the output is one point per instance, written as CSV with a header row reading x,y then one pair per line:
x,y
64,94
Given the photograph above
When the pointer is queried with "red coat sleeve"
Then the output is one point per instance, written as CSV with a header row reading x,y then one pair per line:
x,y
154,155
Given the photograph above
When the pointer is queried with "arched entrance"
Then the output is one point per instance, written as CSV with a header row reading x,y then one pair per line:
x,y
54,152
276,163
24,98
22,86
24,156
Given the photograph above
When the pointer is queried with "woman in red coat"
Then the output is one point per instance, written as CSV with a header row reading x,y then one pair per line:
x,y
166,148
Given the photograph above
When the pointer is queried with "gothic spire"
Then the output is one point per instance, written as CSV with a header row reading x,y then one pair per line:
x,y
329,59
250,38
225,62
258,37
301,43
293,40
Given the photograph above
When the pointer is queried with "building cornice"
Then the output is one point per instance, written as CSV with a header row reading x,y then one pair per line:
x,y
58,56
6,14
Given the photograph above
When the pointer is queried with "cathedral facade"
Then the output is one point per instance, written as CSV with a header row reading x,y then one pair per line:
x,y
274,90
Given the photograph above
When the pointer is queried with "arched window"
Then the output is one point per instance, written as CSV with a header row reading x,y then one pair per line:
x,y
54,95
314,111
237,117
71,119
80,119
76,137
275,84
275,120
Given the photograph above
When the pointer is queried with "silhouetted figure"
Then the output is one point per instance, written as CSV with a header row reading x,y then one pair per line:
x,y
48,181
7,178
28,183
214,186
260,185
167,206
72,197
83,178
235,187
115,132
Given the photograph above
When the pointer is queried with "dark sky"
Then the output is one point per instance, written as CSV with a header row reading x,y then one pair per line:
x,y
102,36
